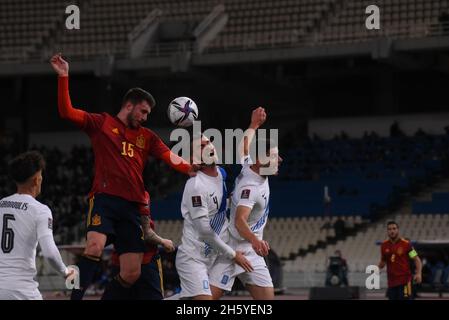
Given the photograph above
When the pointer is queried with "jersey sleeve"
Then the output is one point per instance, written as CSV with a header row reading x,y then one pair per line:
x,y
157,147
92,122
84,120
247,196
196,201
411,251
44,223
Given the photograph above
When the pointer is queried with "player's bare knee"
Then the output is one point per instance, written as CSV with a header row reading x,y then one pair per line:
x,y
217,293
94,248
130,276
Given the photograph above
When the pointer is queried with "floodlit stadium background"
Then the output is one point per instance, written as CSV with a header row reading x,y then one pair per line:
x,y
361,112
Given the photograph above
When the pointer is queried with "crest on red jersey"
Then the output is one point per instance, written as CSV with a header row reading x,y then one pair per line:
x,y
140,142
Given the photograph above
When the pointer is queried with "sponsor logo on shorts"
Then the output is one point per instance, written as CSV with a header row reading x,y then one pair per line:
x,y
196,201
225,279
205,284
96,220
245,194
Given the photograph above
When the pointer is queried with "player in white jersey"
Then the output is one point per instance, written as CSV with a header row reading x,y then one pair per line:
x,y
25,222
204,232
249,214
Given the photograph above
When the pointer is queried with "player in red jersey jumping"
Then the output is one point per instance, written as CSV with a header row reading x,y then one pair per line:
x,y
121,148
396,253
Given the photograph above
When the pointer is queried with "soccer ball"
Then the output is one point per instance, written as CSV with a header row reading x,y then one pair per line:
x,y
182,111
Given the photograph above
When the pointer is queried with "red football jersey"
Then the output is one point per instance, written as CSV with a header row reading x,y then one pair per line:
x,y
397,257
120,155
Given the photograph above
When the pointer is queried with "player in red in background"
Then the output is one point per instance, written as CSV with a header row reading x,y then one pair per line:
x,y
396,253
150,284
121,148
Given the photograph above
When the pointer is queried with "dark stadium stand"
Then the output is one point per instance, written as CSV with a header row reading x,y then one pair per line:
x,y
364,176
399,19
438,204
107,25
25,26
270,23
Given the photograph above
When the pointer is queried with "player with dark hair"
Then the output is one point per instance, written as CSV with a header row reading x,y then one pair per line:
x,y
249,215
25,222
121,147
396,253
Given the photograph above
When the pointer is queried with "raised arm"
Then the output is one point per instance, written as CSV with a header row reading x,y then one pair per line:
x,y
178,163
66,111
258,117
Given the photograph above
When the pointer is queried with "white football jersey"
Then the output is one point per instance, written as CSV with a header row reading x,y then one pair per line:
x,y
23,221
203,196
252,191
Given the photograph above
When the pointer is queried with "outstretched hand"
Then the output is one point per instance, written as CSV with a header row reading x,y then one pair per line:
x,y
258,117
168,245
60,65
261,247
70,274
243,262
417,278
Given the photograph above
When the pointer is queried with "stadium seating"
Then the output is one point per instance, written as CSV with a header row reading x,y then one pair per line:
x,y
39,26
362,175
106,24
363,249
401,18
296,224
439,203
26,26
269,23
286,236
